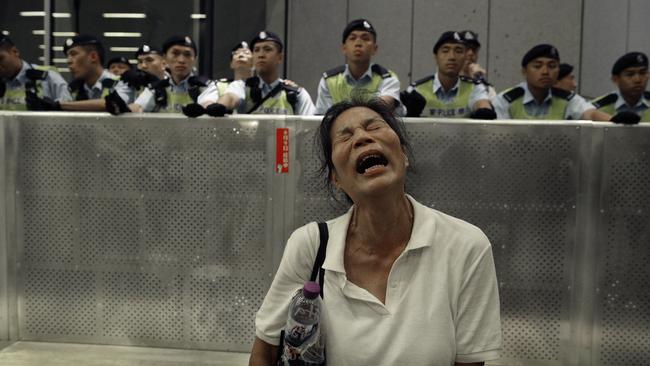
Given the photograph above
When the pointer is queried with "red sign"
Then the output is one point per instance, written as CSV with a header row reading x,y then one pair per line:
x,y
282,150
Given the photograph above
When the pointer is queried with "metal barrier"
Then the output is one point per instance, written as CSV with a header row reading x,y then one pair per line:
x,y
164,231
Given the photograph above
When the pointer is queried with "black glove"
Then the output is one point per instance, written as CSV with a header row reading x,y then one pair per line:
x,y
135,78
413,101
115,105
216,110
626,118
34,103
193,110
484,113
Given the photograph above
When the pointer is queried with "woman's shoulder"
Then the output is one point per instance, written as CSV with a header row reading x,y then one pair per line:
x,y
453,230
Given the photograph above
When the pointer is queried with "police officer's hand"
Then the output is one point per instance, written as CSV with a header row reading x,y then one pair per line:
x,y
626,118
484,113
193,110
115,105
34,103
217,110
413,101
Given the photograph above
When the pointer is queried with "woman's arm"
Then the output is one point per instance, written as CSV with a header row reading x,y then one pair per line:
x,y
263,354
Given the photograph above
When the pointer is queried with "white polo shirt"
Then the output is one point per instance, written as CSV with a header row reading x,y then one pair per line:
x,y
442,302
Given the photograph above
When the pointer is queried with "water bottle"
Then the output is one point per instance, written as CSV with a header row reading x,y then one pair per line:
x,y
303,340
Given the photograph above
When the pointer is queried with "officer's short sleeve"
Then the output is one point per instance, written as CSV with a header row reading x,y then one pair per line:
x,y
389,87
479,92
501,107
238,89
293,272
324,98
577,106
57,88
210,95
305,106
146,100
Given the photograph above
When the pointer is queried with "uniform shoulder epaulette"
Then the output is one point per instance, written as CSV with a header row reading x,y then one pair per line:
x,y
381,71
605,100
468,79
109,83
34,74
514,94
333,72
198,80
289,88
561,93
252,81
423,80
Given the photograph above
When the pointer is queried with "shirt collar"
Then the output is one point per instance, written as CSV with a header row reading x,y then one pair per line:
x,y
528,96
98,84
620,101
422,235
366,75
437,85
22,74
183,82
266,88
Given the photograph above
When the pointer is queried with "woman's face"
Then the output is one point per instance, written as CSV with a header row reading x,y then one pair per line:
x,y
367,155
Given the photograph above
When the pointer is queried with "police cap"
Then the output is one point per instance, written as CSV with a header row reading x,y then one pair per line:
x,y
631,59
5,40
179,40
145,49
541,50
565,70
118,60
448,37
264,36
471,38
84,40
242,44
358,24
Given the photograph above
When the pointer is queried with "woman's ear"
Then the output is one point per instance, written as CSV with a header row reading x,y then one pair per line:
x,y
334,179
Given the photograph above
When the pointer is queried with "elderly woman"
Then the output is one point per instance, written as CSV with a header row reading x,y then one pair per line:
x,y
404,284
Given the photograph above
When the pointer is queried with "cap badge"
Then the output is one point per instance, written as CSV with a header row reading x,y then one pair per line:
x,y
263,35
639,58
244,44
468,35
146,48
366,24
456,36
68,42
188,40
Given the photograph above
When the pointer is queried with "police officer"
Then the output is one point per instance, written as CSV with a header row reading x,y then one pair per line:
x,y
181,87
472,69
359,77
263,93
241,63
20,79
151,60
630,75
91,81
535,98
446,93
118,65
565,78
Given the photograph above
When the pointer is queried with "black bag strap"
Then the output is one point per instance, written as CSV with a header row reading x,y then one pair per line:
x,y
271,94
317,269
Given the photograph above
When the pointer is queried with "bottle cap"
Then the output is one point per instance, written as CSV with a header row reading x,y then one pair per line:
x,y
311,289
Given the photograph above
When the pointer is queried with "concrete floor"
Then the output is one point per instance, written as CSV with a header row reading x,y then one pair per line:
x,y
67,354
